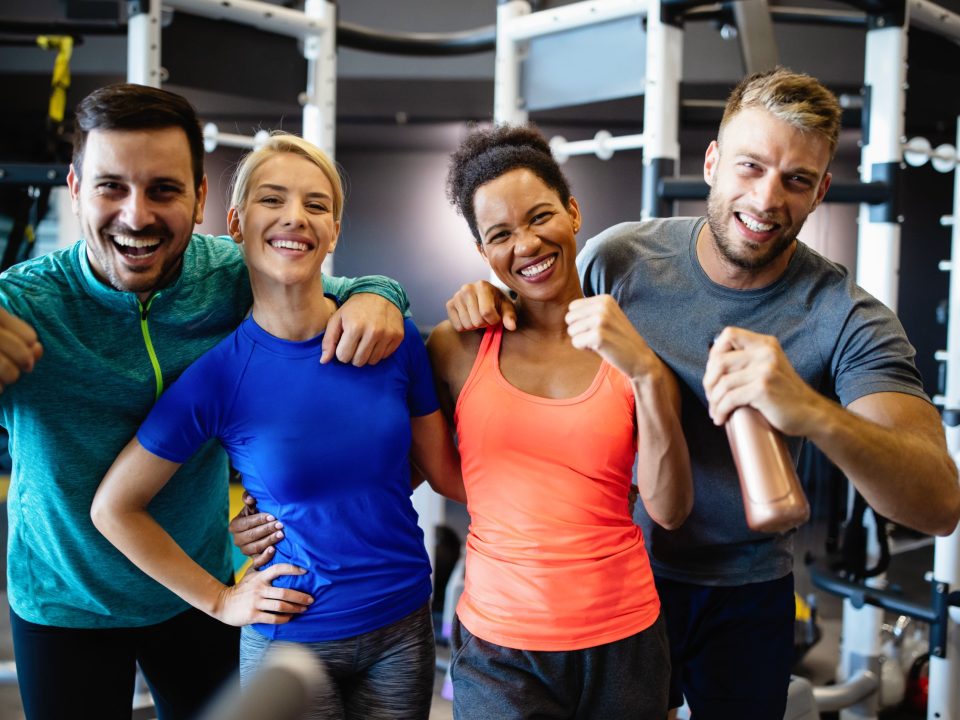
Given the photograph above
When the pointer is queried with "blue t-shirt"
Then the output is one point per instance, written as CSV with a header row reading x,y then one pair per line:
x,y
325,449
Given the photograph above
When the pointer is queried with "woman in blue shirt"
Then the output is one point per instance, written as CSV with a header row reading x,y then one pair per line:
x,y
325,447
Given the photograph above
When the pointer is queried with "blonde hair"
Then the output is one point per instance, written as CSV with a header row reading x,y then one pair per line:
x,y
797,99
278,143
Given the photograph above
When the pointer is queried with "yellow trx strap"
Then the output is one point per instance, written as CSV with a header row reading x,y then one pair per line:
x,y
63,44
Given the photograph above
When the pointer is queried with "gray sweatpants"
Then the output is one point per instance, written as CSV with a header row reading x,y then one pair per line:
x,y
624,680
384,674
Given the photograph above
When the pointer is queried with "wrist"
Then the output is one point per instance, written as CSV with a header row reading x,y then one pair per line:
x,y
647,376
819,418
215,600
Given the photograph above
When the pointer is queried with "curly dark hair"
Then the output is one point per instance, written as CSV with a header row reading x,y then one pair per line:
x,y
486,154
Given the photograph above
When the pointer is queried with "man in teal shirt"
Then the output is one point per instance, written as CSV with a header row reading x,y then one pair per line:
x,y
89,337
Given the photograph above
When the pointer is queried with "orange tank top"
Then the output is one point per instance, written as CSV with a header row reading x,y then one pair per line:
x,y
554,560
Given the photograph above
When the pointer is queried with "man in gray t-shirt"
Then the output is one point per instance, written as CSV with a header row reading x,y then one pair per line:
x,y
793,337
840,341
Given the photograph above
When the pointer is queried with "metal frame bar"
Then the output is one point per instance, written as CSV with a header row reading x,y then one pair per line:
x,y
758,44
143,46
260,15
927,15
40,174
568,17
885,77
315,26
661,109
603,145
943,699
320,51
878,271
508,106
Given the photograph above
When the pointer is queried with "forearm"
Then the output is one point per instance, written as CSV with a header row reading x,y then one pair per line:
x,y
436,457
380,285
663,461
449,484
148,546
119,512
902,469
444,474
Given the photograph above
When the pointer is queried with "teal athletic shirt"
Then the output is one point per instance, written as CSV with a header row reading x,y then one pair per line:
x,y
105,361
325,449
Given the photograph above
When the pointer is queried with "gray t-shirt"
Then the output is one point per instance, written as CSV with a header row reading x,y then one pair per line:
x,y
843,342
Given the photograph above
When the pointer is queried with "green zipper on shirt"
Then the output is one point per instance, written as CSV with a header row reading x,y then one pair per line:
x,y
146,340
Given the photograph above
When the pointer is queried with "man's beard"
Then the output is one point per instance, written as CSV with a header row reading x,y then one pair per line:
x,y
718,214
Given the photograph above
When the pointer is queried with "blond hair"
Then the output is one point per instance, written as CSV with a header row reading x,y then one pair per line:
x,y
278,143
795,98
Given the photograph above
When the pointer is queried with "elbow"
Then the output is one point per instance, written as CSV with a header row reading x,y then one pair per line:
x,y
949,515
948,523
674,520
99,513
451,491
670,517
669,523
670,508
103,514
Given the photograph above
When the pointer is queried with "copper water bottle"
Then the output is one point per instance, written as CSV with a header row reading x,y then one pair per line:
x,y
772,497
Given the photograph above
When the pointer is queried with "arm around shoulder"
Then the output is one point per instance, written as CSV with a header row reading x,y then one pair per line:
x,y
387,288
368,327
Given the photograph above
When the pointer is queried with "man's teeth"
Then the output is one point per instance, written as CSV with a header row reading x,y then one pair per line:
x,y
127,241
755,225
289,244
538,268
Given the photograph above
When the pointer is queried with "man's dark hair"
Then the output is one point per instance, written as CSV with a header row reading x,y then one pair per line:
x,y
125,106
486,154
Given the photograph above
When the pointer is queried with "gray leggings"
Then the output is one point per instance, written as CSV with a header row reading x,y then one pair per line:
x,y
384,674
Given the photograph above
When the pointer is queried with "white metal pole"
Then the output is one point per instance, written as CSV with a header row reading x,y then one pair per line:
x,y
143,46
603,145
508,105
885,75
878,271
320,97
320,52
943,698
661,106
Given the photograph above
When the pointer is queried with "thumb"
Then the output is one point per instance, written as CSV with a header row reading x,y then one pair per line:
x,y
331,337
509,314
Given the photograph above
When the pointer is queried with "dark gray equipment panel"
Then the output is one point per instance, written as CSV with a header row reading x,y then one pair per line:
x,y
604,61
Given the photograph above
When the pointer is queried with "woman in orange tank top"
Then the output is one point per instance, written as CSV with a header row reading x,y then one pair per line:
x,y
559,617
